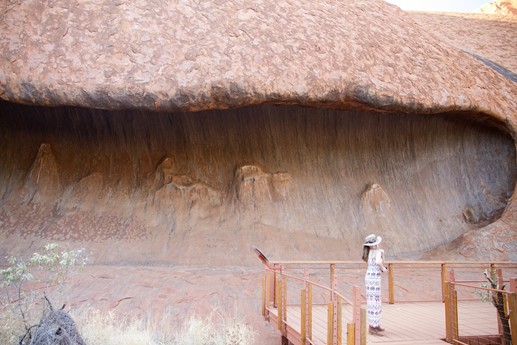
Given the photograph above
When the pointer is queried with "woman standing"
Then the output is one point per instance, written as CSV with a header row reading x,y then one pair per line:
x,y
374,256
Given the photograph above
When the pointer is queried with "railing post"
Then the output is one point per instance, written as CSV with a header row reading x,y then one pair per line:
x,y
456,325
512,302
335,307
309,312
444,282
264,294
271,288
339,322
303,317
448,336
450,312
357,315
500,283
364,322
454,307
512,309
306,309
330,323
350,339
281,299
274,288
278,301
332,278
284,304
391,284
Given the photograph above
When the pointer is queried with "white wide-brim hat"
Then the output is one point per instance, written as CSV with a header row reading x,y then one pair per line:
x,y
372,240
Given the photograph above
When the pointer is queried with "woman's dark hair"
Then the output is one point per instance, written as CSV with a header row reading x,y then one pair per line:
x,y
366,252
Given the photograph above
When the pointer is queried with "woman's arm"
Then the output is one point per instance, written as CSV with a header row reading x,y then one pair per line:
x,y
379,260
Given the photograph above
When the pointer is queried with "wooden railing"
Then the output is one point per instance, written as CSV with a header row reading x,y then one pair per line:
x,y
505,302
400,271
278,274
276,300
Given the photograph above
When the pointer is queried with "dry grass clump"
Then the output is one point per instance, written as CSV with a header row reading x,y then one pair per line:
x,y
205,331
11,327
106,329
98,328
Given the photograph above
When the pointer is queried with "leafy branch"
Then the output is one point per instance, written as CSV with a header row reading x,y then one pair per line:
x,y
43,270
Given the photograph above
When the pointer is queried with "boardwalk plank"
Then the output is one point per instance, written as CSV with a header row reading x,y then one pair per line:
x,y
407,323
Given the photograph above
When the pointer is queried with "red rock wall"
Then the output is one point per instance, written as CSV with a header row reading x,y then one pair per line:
x,y
202,188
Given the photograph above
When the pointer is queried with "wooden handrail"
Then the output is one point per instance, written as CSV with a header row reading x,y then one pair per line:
x,y
334,305
317,285
340,262
333,266
277,287
451,306
460,283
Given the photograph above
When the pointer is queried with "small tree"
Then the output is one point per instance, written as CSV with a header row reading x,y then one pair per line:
x,y
497,299
25,280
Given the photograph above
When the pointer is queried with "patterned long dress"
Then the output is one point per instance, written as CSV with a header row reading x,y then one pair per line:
x,y
372,281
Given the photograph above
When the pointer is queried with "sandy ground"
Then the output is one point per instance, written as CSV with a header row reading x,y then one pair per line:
x,y
170,294
166,296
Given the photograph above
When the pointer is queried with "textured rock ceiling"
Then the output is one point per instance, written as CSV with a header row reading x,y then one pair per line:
x,y
200,55
368,63
491,36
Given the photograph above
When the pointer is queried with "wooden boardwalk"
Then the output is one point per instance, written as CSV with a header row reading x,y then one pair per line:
x,y
461,317
405,323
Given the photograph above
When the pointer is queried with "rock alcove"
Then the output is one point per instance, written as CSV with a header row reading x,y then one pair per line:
x,y
172,185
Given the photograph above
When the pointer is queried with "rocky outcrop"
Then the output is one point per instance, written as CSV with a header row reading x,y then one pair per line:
x,y
88,192
374,200
489,37
42,180
500,7
253,187
377,209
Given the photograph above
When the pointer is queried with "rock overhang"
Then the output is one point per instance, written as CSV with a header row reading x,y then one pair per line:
x,y
190,57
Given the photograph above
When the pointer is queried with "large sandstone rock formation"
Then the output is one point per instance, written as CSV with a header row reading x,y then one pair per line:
x,y
492,37
187,132
500,7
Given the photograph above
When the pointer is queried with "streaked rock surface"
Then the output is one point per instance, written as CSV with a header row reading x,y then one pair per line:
x,y
187,132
